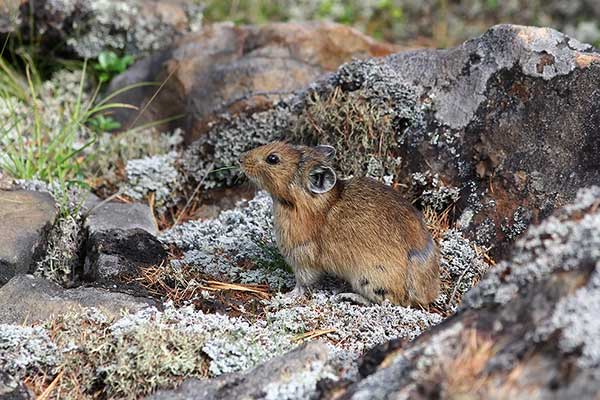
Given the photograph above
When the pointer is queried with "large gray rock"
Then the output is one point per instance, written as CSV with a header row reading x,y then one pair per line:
x,y
291,376
26,218
27,299
120,240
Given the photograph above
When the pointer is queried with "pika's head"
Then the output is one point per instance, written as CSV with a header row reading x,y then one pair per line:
x,y
291,172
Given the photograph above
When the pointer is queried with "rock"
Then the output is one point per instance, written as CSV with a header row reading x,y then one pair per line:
x,y
88,28
529,327
499,151
113,215
228,69
26,217
120,240
12,389
291,376
26,299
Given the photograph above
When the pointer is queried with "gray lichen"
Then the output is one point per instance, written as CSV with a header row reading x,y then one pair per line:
x,y
131,27
459,264
354,328
158,175
26,350
62,254
576,317
434,193
365,110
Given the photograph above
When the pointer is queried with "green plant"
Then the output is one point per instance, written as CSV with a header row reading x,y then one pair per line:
x,y
101,123
110,64
33,148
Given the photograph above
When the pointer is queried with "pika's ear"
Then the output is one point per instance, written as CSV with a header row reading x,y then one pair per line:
x,y
321,179
326,151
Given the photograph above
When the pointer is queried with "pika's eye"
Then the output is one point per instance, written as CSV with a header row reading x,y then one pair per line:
x,y
272,159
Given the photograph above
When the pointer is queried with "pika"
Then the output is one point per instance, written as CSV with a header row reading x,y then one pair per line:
x,y
357,229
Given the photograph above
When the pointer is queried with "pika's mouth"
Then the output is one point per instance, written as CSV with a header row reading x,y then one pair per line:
x,y
249,171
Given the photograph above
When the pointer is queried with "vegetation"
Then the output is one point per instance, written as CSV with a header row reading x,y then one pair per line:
x,y
110,64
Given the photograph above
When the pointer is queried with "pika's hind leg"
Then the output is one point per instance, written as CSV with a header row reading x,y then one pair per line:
x,y
305,278
354,298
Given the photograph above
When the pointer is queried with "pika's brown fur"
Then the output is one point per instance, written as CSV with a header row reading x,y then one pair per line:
x,y
357,229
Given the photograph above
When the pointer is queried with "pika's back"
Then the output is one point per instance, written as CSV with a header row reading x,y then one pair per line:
x,y
379,213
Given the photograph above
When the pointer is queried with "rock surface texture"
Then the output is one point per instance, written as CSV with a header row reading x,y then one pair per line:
x,y
26,218
226,70
26,299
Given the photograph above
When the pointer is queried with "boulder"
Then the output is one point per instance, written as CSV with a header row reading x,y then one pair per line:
x,y
27,217
26,299
120,239
228,69
291,376
505,125
529,327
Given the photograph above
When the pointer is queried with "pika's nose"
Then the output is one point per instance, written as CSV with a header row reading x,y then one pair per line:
x,y
243,158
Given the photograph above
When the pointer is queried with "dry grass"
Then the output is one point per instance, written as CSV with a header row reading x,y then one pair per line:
x,y
187,286
464,374
312,334
437,222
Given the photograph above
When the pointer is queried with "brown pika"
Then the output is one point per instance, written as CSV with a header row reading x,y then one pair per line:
x,y
357,229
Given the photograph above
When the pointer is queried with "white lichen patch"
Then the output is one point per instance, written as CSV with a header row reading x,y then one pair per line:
x,y
62,255
352,328
562,242
231,344
434,193
221,247
26,350
459,264
157,175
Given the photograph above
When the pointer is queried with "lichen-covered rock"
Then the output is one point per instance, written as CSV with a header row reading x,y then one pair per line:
x,y
476,125
227,70
293,375
26,299
529,326
90,27
27,217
